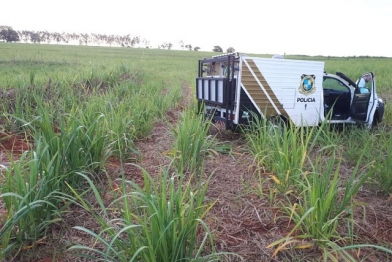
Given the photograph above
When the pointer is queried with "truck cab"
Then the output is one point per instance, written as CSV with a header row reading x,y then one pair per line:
x,y
346,101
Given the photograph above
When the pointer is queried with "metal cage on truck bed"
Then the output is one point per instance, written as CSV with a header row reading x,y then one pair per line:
x,y
215,88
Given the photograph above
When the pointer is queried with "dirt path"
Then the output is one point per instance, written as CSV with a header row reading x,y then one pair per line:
x,y
240,221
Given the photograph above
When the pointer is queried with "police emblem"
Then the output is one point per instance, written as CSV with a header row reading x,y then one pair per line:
x,y
307,85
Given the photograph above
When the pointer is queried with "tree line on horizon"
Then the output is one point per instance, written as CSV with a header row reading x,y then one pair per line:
x,y
37,37
10,35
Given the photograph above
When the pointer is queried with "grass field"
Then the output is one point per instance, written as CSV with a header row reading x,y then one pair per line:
x,y
80,109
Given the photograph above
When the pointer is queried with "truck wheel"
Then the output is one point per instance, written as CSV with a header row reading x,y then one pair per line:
x,y
375,120
277,124
238,128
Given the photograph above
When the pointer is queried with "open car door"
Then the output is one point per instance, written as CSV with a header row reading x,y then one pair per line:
x,y
362,102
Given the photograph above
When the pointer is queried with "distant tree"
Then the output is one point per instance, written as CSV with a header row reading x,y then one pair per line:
x,y
166,45
84,38
135,40
35,37
230,50
196,48
96,39
217,49
119,40
8,34
125,40
75,37
181,44
146,43
56,37
110,39
25,35
46,36
66,37
189,47
4,27
20,35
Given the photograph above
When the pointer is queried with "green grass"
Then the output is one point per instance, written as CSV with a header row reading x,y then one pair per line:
x,y
283,151
157,222
191,143
381,158
29,194
302,163
73,63
325,200
78,106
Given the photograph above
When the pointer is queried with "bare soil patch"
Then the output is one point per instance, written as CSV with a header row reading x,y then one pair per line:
x,y
11,145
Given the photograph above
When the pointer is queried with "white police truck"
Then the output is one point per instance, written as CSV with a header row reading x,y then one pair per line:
x,y
233,88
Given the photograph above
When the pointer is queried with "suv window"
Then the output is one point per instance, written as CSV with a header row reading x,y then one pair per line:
x,y
334,84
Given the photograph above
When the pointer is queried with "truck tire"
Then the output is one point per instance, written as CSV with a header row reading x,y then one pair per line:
x,y
277,124
376,119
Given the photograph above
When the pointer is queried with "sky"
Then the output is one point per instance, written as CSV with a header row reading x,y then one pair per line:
x,y
308,27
